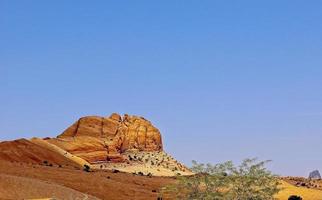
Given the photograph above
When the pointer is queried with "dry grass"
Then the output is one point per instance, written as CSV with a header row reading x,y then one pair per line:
x,y
305,193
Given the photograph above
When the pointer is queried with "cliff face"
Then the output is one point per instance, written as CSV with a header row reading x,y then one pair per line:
x,y
106,138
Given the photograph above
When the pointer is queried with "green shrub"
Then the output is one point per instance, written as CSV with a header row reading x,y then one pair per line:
x,y
249,181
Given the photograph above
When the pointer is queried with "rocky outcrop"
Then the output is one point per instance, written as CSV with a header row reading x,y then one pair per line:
x,y
315,175
119,143
106,138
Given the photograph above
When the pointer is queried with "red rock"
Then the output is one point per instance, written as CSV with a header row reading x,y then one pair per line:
x,y
106,138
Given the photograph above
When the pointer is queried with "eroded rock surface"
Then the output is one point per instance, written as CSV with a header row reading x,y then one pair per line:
x,y
106,138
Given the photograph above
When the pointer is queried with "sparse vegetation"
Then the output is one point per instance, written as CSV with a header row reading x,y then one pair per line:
x,y
249,181
154,162
86,168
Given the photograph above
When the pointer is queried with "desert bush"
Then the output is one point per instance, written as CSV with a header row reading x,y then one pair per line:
x,y
130,158
294,197
249,181
86,168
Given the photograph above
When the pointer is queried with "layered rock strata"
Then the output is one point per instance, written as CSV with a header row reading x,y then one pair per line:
x,y
98,139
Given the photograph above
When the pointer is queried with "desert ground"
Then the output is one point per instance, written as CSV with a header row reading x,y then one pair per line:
x,y
39,181
305,193
68,180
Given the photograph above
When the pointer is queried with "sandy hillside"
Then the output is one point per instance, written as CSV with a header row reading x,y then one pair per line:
x,y
15,187
70,157
25,151
305,193
101,184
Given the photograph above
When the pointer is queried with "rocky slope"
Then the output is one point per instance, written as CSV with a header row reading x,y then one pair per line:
x,y
125,143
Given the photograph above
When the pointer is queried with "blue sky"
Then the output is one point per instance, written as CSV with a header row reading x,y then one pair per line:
x,y
222,80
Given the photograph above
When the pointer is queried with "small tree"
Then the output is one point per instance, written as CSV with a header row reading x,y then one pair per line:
x,y
249,181
207,184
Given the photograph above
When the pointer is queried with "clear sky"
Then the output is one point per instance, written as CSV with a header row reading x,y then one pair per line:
x,y
222,80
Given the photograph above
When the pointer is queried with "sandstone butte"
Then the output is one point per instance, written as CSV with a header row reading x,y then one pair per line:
x,y
99,139
125,143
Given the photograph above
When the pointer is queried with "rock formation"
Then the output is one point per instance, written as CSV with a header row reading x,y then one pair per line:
x,y
129,144
106,138
315,175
